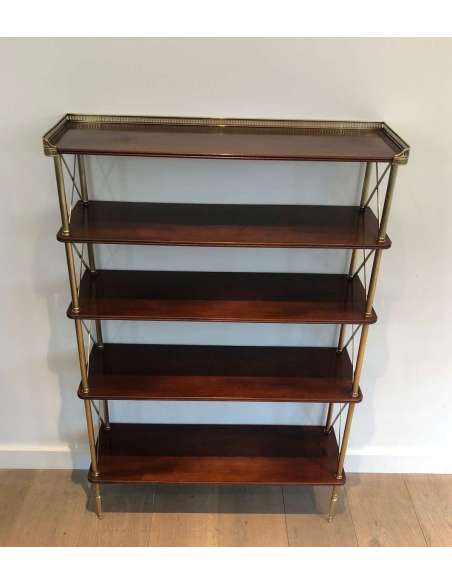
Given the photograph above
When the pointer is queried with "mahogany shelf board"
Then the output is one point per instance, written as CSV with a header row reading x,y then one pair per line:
x,y
226,139
217,454
286,226
220,373
221,297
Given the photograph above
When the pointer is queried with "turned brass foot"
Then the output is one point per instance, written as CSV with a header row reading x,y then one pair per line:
x,y
333,501
98,501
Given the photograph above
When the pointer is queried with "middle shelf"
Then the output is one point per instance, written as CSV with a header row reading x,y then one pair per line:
x,y
231,225
220,373
222,297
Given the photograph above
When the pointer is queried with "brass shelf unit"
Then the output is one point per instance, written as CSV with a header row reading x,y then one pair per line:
x,y
195,454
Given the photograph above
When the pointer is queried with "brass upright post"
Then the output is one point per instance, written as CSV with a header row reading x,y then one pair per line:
x,y
61,193
91,260
329,417
365,329
366,181
351,269
82,176
99,338
92,449
333,501
92,269
340,348
348,424
81,355
340,464
381,237
388,201
340,344
72,276
360,359
84,195
373,282
364,193
106,414
91,437
76,308
98,501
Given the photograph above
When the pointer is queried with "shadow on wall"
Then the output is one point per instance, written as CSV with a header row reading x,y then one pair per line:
x,y
137,179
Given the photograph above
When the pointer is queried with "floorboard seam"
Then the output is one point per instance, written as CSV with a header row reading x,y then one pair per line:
x,y
415,510
285,516
148,544
347,502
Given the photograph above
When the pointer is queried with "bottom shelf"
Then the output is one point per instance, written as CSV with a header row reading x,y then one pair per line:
x,y
217,454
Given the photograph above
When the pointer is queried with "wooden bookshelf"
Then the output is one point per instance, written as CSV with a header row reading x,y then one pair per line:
x,y
330,375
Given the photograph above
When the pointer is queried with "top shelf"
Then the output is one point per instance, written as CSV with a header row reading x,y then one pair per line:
x,y
341,141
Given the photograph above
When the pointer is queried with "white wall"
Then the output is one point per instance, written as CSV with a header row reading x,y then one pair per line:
x,y
404,421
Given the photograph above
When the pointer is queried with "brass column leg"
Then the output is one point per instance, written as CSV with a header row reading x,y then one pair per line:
x,y
99,337
84,195
329,417
381,237
333,501
340,344
351,269
364,193
373,281
92,449
340,464
388,201
78,325
365,328
82,177
348,425
91,437
106,414
92,269
72,276
98,501
360,359
91,260
340,348
61,193
366,181
81,355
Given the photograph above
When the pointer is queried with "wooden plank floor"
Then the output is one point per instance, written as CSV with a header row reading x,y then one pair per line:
x,y
55,508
